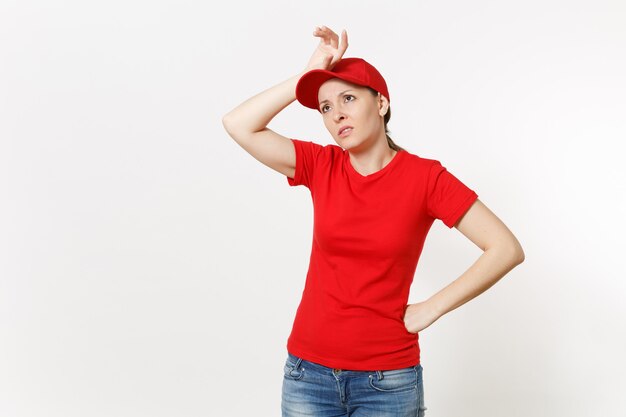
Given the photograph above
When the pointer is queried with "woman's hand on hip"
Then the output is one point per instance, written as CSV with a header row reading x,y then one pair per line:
x,y
328,52
419,316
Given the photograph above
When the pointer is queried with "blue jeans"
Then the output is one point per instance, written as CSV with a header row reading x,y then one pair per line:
x,y
311,389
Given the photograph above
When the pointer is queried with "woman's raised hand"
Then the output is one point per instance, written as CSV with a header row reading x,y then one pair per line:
x,y
328,52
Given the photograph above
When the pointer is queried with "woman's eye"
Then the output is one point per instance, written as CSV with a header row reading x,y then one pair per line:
x,y
345,97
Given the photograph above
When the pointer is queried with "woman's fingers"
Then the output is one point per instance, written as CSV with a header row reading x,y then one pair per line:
x,y
344,42
321,31
324,37
334,39
327,35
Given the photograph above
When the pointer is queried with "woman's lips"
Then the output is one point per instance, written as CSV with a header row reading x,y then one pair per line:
x,y
345,131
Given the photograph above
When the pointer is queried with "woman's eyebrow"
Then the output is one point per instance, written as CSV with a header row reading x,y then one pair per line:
x,y
345,91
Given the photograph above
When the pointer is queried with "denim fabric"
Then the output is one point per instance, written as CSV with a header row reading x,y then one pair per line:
x,y
313,390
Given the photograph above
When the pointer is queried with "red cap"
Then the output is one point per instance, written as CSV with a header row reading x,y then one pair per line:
x,y
354,70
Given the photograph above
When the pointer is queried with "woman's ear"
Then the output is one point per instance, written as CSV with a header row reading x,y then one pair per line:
x,y
383,105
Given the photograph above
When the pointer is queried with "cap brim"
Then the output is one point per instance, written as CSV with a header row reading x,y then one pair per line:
x,y
309,84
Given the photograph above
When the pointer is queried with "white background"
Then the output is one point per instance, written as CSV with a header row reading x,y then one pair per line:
x,y
149,266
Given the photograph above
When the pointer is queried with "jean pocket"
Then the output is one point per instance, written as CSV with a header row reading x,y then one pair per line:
x,y
397,380
293,370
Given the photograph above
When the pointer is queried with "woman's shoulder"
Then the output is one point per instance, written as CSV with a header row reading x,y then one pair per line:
x,y
317,151
420,161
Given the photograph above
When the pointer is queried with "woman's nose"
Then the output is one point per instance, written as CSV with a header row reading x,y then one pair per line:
x,y
339,116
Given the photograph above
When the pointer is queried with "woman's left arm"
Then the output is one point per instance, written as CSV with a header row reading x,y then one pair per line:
x,y
502,253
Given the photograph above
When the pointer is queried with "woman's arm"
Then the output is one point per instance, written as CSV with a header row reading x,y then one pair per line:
x,y
247,123
254,114
502,253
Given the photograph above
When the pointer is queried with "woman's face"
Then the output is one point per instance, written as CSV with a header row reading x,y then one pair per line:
x,y
345,104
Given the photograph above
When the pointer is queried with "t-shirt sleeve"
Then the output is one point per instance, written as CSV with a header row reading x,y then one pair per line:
x,y
306,157
447,198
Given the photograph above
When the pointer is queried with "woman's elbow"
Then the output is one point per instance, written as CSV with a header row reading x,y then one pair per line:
x,y
511,251
516,252
520,257
227,121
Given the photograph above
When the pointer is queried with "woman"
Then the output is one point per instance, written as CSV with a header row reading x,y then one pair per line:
x,y
353,349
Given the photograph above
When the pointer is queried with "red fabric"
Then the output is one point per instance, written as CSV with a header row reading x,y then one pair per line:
x,y
354,70
368,234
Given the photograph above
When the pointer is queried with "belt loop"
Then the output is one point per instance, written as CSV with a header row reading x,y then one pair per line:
x,y
380,375
297,362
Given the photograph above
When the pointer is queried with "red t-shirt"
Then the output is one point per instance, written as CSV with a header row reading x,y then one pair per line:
x,y
368,234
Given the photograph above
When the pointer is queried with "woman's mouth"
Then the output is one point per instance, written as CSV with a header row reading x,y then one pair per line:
x,y
345,131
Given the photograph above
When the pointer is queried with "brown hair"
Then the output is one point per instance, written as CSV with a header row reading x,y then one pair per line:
x,y
390,141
